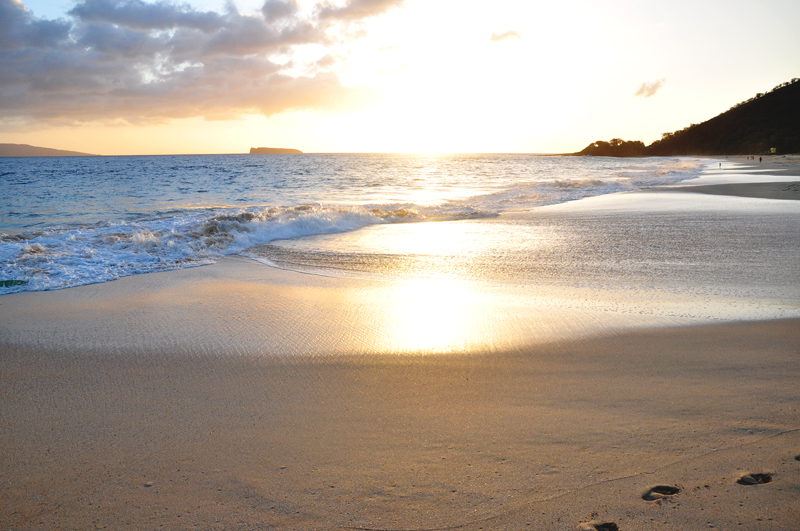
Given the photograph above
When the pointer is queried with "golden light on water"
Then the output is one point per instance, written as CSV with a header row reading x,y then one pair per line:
x,y
440,250
415,239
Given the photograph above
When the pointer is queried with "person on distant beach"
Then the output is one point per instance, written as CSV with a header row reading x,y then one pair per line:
x,y
759,159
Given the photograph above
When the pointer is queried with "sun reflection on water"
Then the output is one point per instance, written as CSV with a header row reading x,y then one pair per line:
x,y
433,239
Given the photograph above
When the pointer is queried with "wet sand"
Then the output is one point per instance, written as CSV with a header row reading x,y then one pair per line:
x,y
777,178
235,397
779,190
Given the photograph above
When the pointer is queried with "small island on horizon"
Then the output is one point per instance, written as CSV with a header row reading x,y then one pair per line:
x,y
273,151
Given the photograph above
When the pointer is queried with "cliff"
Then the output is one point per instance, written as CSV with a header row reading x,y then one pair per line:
x,y
272,151
24,150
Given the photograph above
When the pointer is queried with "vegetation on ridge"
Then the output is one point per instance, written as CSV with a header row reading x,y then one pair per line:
x,y
756,126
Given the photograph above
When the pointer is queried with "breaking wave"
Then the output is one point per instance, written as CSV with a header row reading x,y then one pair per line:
x,y
73,254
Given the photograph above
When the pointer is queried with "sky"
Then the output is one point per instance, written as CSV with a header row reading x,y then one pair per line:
x,y
127,77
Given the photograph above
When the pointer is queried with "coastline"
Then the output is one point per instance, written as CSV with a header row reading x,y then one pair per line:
x,y
235,396
776,184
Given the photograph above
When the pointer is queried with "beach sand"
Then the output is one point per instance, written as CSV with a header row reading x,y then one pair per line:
x,y
236,396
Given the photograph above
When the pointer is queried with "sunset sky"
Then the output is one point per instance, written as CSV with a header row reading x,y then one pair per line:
x,y
118,77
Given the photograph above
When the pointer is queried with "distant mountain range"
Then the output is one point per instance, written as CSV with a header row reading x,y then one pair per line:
x,y
24,150
766,122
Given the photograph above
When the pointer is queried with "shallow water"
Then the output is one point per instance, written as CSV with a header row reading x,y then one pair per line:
x,y
73,221
664,254
568,271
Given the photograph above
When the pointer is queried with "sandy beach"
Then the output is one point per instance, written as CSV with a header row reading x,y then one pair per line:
x,y
237,396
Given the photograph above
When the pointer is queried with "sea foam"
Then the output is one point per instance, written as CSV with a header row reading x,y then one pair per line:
x,y
58,255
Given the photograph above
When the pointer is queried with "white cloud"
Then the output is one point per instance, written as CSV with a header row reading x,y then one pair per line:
x,y
506,35
648,89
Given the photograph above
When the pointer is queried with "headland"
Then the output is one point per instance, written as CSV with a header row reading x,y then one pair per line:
x,y
765,124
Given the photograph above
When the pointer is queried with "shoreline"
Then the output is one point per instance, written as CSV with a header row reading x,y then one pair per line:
x,y
779,178
242,307
237,396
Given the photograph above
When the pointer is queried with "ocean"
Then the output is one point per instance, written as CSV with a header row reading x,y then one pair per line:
x,y
72,221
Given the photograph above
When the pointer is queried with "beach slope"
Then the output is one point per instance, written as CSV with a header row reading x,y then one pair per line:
x,y
546,438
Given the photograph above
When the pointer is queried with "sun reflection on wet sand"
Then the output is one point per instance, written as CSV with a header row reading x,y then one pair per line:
x,y
426,315
493,284
425,312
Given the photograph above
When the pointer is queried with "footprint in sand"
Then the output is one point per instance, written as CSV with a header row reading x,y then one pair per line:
x,y
754,479
594,526
659,492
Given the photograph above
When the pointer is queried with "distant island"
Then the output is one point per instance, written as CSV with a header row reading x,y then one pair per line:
x,y
24,150
272,151
768,123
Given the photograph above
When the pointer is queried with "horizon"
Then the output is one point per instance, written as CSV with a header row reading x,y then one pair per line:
x,y
410,153
129,77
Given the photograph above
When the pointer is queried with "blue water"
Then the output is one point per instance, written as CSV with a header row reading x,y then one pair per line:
x,y
73,221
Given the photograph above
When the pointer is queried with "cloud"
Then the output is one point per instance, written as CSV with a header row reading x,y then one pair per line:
x,y
121,42
326,61
649,89
276,9
140,15
498,37
19,29
131,61
357,9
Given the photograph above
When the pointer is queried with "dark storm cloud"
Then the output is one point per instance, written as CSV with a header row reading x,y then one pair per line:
x,y
138,62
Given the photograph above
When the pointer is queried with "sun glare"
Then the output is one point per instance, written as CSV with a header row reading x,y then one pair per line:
x,y
414,239
460,90
428,316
